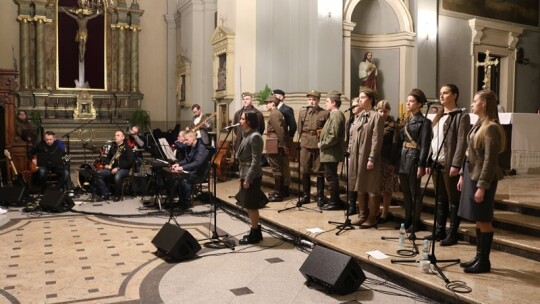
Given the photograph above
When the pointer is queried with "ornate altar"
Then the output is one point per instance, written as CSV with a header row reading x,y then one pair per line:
x,y
68,45
85,107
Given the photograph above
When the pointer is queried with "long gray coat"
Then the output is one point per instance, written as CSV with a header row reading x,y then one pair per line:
x,y
369,140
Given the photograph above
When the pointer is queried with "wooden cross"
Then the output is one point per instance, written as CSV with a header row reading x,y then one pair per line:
x,y
487,69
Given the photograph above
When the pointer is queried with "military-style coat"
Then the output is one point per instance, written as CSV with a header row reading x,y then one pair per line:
x,y
369,138
332,143
311,121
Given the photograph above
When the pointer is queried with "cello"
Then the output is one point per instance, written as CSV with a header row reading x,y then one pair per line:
x,y
222,164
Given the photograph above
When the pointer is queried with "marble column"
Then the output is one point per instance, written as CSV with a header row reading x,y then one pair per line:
x,y
348,27
40,57
121,58
135,14
134,83
25,18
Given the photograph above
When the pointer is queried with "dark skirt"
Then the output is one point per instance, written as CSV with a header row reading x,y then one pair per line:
x,y
471,210
252,198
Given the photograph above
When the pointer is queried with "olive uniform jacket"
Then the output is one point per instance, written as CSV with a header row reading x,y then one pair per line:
x,y
311,120
332,142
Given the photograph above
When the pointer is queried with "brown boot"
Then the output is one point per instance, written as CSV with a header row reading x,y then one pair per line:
x,y
371,221
362,210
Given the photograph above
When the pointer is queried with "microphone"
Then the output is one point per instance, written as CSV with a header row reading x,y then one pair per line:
x,y
231,126
351,108
307,107
456,111
432,102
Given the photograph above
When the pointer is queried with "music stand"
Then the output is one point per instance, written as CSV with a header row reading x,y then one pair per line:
x,y
217,241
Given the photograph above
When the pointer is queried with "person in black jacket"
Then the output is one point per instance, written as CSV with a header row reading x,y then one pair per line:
x,y
50,145
119,161
290,124
416,139
195,163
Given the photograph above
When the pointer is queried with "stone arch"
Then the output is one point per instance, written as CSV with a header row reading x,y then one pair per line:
x,y
402,40
402,13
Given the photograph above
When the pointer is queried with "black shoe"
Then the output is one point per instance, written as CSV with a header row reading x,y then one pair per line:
x,y
333,206
304,200
275,198
451,239
116,198
321,201
439,235
254,237
103,198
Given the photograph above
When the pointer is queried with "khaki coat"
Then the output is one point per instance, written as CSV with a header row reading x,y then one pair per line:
x,y
369,139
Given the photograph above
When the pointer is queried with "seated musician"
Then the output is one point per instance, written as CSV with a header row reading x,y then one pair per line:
x,y
24,129
201,124
50,145
136,142
195,161
119,161
180,146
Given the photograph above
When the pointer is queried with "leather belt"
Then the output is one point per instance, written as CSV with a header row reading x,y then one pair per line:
x,y
311,132
410,145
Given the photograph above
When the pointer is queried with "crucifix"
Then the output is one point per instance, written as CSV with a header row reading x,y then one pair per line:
x,y
82,15
487,69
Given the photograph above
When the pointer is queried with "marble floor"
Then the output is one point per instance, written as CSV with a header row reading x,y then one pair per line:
x,y
102,253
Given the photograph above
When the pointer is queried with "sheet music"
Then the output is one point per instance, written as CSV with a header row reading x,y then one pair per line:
x,y
166,149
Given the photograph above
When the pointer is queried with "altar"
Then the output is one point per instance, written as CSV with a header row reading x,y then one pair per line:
x,y
523,141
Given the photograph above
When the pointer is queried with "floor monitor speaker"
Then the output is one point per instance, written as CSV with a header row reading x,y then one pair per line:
x,y
334,271
176,242
12,195
56,201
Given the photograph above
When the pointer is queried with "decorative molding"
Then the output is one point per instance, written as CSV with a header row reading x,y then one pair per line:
x,y
500,39
494,33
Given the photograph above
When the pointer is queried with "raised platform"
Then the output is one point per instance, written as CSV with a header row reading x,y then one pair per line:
x,y
515,257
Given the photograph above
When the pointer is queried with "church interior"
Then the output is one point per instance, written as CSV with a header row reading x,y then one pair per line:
x,y
86,69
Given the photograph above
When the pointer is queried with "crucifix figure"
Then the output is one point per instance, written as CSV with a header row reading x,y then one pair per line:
x,y
82,15
487,69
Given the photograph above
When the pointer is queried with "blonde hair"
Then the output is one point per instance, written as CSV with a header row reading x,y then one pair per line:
x,y
492,118
384,105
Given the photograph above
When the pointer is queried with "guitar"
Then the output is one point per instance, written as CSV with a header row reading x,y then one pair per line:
x,y
196,127
19,180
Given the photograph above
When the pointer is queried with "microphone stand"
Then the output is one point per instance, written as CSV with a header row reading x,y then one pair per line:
x,y
217,241
431,257
68,150
347,225
298,148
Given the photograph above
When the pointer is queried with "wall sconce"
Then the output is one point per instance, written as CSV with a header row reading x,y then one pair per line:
x,y
427,25
520,57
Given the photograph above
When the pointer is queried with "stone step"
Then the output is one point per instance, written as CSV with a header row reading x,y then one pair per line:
x,y
516,229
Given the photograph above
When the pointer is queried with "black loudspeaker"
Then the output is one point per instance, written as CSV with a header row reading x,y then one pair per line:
x,y
176,242
12,195
56,201
334,271
140,184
